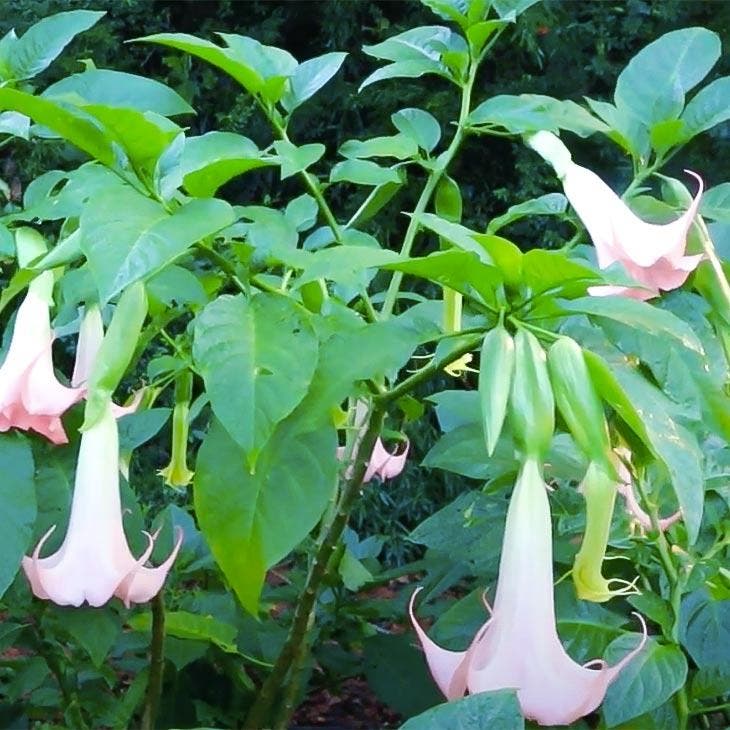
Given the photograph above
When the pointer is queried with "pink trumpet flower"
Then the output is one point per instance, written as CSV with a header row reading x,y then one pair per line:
x,y
654,255
31,398
519,647
94,562
382,463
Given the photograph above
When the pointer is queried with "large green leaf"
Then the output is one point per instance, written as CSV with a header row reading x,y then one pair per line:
x,y
94,629
363,172
126,236
422,127
23,58
647,682
18,499
709,107
705,628
118,89
548,204
252,520
653,84
482,711
209,161
68,122
343,263
459,270
637,314
257,358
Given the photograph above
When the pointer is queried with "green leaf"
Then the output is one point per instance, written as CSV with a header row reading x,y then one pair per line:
x,y
705,628
545,271
520,114
405,70
95,629
259,69
310,77
709,107
458,270
143,135
251,521
549,204
175,284
399,146
363,172
635,313
138,428
342,263
17,495
647,682
23,58
642,407
118,89
420,126
126,236
653,84
482,711
715,203
456,234
191,626
295,159
425,42
15,124
397,674
70,123
505,7
209,161
257,358
302,212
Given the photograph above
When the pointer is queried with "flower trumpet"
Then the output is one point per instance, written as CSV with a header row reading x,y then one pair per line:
x,y
94,562
652,254
518,647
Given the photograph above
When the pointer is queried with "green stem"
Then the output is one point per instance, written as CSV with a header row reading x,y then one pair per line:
x,y
427,371
224,265
157,664
443,162
676,583
295,646
712,708
709,249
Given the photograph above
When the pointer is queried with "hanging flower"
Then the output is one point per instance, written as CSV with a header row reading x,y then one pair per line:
x,y
31,398
599,491
518,647
94,562
654,255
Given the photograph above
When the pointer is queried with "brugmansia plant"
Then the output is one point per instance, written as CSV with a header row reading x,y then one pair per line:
x,y
295,354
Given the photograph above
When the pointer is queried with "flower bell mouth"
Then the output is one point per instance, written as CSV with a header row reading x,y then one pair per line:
x,y
652,254
518,647
94,562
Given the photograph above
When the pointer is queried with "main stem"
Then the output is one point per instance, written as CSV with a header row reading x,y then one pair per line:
x,y
676,583
294,648
435,175
157,664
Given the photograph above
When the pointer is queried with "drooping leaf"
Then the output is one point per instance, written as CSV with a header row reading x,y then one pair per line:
x,y
126,236
18,497
66,121
647,682
252,520
118,89
257,358
363,172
